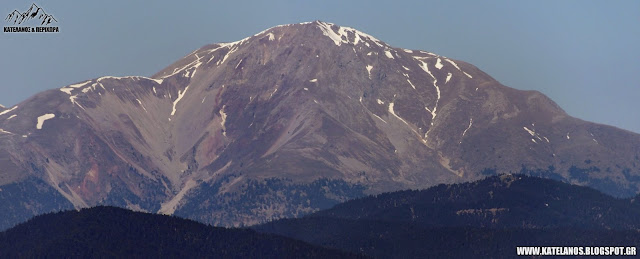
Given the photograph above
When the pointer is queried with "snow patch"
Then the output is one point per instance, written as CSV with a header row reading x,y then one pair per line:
x,y
69,88
211,59
405,68
110,77
223,115
78,85
8,111
439,64
73,100
313,80
433,113
306,89
408,50
388,53
239,63
180,95
449,75
457,67
369,67
12,116
337,38
414,87
235,43
453,63
139,102
425,67
568,137
327,31
378,117
43,118
6,132
428,53
192,65
232,48
380,101
468,127
158,81
93,87
533,133
394,114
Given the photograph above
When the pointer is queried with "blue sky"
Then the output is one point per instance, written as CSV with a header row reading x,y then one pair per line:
x,y
582,54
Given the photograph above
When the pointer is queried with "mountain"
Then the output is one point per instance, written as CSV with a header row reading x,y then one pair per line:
x,y
294,119
110,231
487,218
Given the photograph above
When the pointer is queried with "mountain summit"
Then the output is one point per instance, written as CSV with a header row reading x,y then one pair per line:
x,y
291,120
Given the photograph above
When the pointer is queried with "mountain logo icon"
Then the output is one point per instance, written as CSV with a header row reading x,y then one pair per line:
x,y
34,12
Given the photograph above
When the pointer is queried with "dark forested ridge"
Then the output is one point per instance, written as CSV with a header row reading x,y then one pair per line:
x,y
30,197
497,201
383,239
489,217
115,232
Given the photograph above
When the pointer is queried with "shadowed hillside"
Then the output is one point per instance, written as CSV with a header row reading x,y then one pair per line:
x,y
114,232
487,218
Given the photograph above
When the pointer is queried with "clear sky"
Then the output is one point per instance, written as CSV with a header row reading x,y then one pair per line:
x,y
585,55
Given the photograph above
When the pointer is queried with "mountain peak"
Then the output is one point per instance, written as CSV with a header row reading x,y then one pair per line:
x,y
298,117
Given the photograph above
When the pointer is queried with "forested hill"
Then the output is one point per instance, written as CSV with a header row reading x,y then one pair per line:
x,y
497,201
487,218
114,232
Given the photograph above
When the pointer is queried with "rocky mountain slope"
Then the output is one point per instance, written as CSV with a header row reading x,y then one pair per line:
x,y
291,120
